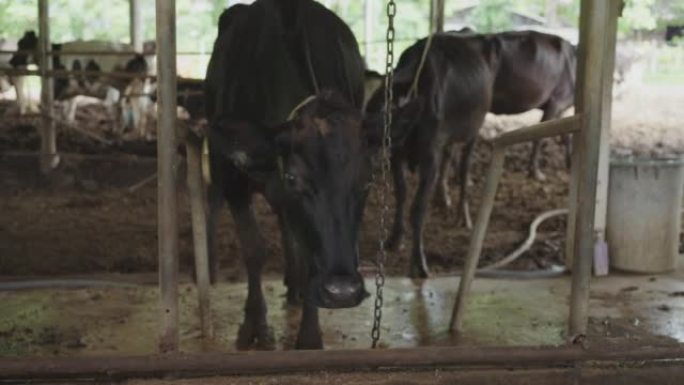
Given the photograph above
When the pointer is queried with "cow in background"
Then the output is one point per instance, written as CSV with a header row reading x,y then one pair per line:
x,y
108,89
453,96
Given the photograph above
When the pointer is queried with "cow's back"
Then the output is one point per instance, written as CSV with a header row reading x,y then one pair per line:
x,y
273,54
533,68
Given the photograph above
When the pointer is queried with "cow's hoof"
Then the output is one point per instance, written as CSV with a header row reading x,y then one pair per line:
x,y
251,336
309,341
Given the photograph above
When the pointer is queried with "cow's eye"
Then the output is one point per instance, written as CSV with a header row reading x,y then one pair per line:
x,y
291,181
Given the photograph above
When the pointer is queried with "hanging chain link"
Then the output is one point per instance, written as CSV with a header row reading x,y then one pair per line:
x,y
384,175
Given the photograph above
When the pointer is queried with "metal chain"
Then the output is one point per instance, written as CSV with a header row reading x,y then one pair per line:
x,y
385,170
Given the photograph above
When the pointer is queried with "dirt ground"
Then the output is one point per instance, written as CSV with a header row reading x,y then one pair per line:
x,y
89,222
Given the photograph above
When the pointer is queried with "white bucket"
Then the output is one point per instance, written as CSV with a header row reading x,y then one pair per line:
x,y
644,214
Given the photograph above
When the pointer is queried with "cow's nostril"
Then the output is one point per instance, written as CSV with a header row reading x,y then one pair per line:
x,y
340,292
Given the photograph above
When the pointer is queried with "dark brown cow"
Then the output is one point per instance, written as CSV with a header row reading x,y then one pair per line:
x,y
454,95
311,164
536,70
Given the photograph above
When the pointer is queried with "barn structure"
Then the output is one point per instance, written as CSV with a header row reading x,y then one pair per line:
x,y
588,205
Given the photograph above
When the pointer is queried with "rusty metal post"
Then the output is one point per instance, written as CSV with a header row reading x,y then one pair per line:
x,y
136,25
167,226
49,159
199,232
598,29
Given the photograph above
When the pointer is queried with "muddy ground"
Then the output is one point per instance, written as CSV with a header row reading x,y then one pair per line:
x,y
89,222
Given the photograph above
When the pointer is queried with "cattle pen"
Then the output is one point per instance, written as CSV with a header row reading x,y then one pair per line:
x,y
576,360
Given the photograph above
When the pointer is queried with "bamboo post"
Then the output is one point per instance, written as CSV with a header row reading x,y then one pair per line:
x,y
136,25
49,159
167,226
598,29
477,238
199,232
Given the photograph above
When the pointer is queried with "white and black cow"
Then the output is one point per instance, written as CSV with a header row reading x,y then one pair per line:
x,y
128,93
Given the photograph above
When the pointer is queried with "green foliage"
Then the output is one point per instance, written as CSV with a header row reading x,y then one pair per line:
x,y
638,15
492,16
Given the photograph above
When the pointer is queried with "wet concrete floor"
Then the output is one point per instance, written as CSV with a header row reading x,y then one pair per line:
x,y
641,309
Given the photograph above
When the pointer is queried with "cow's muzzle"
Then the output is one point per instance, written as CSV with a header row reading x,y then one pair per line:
x,y
337,292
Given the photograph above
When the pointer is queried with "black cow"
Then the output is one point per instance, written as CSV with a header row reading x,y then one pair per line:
x,y
536,70
454,95
306,154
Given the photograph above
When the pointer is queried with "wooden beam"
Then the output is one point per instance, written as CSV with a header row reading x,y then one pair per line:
x,y
370,20
213,364
436,16
477,238
136,25
49,158
199,232
598,27
551,128
167,226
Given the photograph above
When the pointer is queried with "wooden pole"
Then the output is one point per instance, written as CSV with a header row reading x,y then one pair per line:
x,y
263,363
49,159
436,16
167,226
369,18
136,25
199,232
598,29
477,238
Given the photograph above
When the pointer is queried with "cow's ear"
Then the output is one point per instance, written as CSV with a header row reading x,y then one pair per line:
x,y
250,148
405,116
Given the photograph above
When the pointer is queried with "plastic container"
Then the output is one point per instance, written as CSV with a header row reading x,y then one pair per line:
x,y
644,214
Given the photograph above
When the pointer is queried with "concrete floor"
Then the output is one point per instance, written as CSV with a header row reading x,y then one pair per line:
x,y
639,309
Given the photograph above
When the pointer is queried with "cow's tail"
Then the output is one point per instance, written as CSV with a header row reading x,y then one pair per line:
x,y
570,56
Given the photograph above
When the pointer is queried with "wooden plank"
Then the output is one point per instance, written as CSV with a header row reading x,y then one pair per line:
x,y
598,18
48,145
199,233
167,226
477,238
186,365
547,129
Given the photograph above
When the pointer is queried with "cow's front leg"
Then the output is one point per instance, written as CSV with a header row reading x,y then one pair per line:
x,y
309,336
254,331
293,269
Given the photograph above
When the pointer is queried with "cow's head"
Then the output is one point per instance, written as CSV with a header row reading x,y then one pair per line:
x,y
28,42
316,169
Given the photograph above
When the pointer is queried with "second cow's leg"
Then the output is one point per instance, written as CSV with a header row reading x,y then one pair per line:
x,y
399,179
442,197
464,166
428,169
309,336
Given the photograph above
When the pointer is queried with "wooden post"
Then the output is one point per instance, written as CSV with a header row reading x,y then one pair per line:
x,y
598,29
369,18
167,226
49,159
136,25
477,238
436,16
199,232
